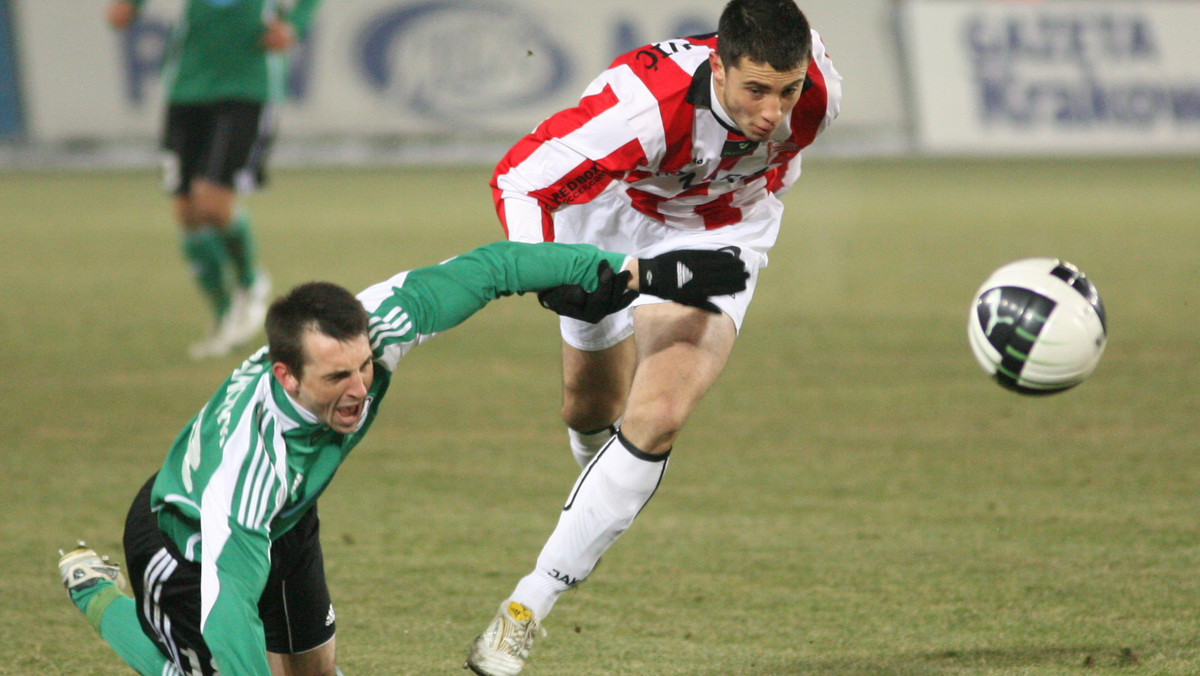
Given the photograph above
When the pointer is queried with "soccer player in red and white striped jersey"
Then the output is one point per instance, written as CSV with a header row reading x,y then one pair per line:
x,y
654,129
686,143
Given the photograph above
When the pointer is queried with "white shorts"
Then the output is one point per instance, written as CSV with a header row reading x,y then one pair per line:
x,y
610,223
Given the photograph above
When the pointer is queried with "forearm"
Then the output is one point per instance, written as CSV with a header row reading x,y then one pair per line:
x,y
242,656
534,267
458,288
631,264
233,576
234,633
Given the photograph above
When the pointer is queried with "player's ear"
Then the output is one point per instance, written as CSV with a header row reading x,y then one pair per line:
x,y
718,71
714,62
289,381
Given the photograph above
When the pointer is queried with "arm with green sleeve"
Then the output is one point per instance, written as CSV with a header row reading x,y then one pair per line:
x,y
301,15
576,280
230,590
242,493
412,307
450,292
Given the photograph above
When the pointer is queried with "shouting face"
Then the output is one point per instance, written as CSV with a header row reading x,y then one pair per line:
x,y
335,379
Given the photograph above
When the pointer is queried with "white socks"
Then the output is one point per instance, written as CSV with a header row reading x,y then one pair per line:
x,y
607,496
585,445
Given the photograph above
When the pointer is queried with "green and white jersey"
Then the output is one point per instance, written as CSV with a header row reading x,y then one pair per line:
x,y
252,462
216,53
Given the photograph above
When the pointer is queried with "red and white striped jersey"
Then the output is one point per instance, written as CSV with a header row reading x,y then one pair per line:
x,y
649,126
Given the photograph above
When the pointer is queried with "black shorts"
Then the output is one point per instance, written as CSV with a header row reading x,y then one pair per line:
x,y
225,142
295,607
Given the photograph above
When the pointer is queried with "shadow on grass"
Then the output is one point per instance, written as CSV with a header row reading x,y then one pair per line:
x,y
990,660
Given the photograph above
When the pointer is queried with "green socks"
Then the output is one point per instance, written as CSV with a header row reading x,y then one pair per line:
x,y
114,616
94,600
239,246
210,253
205,254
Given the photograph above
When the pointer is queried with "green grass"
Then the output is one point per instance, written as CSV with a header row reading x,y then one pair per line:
x,y
853,497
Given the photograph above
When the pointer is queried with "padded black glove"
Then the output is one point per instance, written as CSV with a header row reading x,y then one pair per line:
x,y
611,294
690,276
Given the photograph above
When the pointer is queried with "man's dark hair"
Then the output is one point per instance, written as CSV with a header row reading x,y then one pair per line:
x,y
773,32
320,306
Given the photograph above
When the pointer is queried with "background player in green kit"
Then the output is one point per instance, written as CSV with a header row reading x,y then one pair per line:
x,y
223,542
226,67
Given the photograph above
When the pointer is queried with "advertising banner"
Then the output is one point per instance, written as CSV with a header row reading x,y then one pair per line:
x,y
1054,77
462,68
10,99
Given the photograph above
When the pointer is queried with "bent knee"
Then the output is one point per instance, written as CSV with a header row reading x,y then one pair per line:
x,y
212,203
591,413
654,429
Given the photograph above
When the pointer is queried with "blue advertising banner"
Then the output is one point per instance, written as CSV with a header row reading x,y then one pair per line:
x,y
10,99
440,71
432,69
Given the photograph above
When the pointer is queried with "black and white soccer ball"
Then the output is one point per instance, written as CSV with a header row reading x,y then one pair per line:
x,y
1037,326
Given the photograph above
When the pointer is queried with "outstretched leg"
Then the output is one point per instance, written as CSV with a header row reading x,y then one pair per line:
x,y
94,587
595,387
680,353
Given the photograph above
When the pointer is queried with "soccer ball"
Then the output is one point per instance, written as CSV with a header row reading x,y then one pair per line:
x,y
1037,326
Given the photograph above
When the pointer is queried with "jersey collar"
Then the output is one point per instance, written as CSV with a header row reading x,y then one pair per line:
x,y
703,94
291,409
298,417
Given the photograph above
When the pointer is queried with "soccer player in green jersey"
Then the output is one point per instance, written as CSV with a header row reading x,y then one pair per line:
x,y
229,523
225,71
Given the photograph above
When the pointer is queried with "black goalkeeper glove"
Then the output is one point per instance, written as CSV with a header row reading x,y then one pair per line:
x,y
690,276
611,294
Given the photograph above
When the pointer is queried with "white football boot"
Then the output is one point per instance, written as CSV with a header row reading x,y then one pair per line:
x,y
82,567
502,648
249,309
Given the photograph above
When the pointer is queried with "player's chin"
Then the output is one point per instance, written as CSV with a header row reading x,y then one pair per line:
x,y
759,135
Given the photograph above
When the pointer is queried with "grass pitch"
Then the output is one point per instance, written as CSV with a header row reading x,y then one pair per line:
x,y
853,497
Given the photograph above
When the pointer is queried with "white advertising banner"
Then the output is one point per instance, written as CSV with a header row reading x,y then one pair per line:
x,y
464,68
1056,76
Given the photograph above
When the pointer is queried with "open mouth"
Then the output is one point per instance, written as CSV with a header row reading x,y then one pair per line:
x,y
348,415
